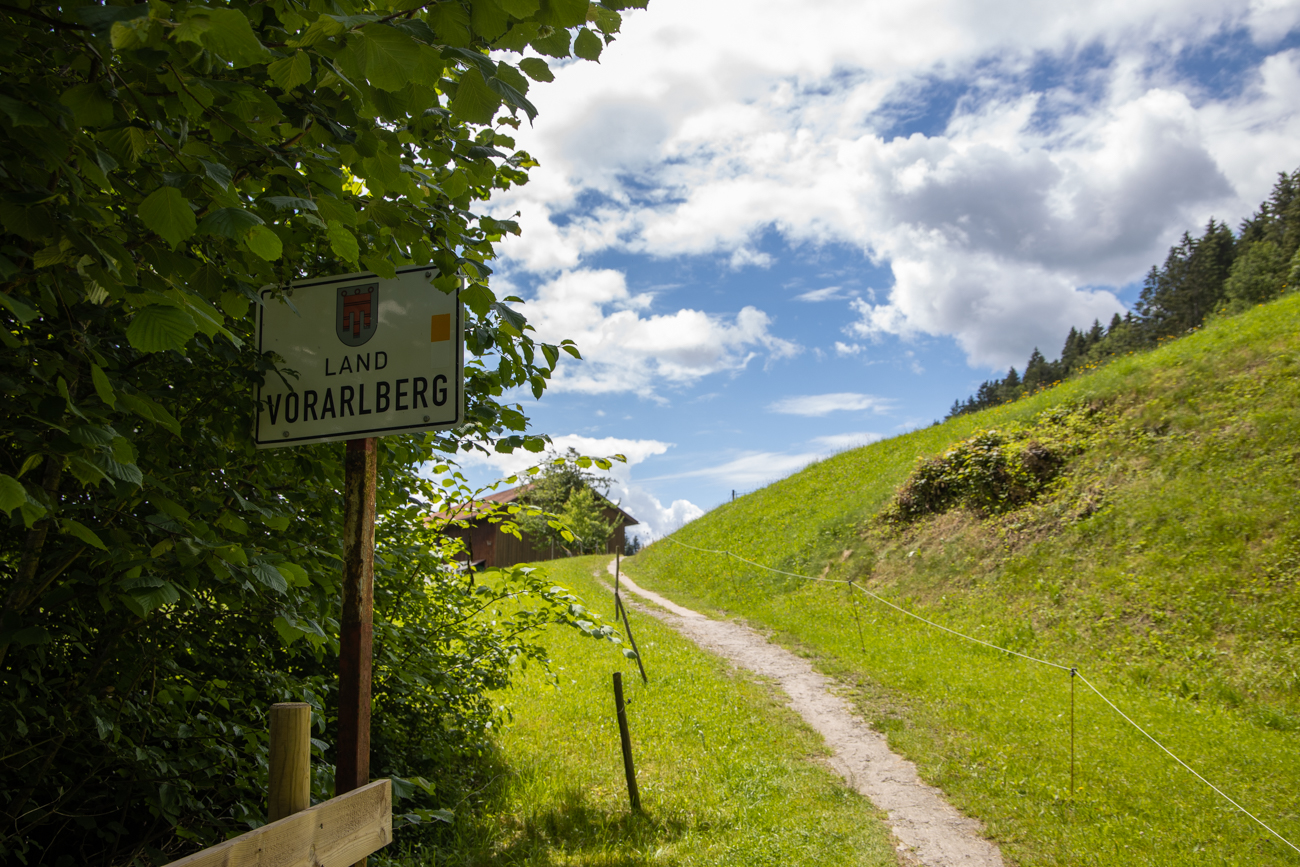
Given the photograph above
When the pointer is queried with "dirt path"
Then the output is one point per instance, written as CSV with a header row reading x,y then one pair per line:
x,y
930,831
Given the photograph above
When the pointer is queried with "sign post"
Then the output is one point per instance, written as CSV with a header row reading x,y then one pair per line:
x,y
363,357
352,769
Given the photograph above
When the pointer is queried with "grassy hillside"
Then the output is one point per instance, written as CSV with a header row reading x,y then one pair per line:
x,y
1163,560
727,774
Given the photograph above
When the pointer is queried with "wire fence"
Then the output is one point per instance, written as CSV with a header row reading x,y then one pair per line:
x,y
1073,670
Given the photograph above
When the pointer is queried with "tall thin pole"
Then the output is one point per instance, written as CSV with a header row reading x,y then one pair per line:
x,y
853,601
353,765
625,738
1073,672
617,570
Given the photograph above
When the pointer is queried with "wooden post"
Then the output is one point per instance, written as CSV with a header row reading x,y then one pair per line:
x,y
290,783
626,737
617,559
352,769
627,627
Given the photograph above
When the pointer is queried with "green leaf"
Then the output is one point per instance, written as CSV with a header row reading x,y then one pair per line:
x,y
518,37
502,85
232,554
114,468
88,104
555,45
21,114
384,55
536,69
607,20
511,317
146,599
474,101
587,45
287,631
489,19
229,222
379,264
33,223
82,532
478,298
291,71
92,435
521,8
158,327
216,172
17,308
230,35
235,304
563,13
12,493
265,243
169,214
337,210
451,23
292,572
103,387
31,635
342,241
86,472
289,203
269,576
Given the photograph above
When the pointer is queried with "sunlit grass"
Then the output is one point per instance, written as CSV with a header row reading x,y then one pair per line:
x,y
1179,597
727,775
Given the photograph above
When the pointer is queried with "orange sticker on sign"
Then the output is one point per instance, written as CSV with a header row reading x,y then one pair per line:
x,y
439,327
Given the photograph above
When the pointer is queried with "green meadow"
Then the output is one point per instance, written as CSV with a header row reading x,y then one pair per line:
x,y
727,774
1163,561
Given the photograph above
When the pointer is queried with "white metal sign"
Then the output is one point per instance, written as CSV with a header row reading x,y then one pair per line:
x,y
363,357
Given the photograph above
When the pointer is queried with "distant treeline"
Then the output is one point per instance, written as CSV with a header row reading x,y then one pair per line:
x,y
1215,274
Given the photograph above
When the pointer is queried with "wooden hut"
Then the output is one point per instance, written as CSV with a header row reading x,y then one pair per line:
x,y
487,546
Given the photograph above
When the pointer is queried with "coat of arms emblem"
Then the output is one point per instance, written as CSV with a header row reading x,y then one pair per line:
x,y
357,313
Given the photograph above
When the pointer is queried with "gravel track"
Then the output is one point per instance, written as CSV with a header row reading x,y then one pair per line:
x,y
929,830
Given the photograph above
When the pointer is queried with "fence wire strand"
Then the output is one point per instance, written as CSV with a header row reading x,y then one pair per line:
x,y
972,638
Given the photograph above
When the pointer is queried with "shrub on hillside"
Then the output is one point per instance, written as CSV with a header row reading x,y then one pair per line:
x,y
995,471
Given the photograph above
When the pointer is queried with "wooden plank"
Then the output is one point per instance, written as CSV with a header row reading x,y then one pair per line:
x,y
336,833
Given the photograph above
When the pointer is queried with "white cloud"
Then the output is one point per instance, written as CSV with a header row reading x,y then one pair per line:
x,y
744,257
656,519
751,469
626,348
841,442
995,225
830,293
825,404
848,349
754,469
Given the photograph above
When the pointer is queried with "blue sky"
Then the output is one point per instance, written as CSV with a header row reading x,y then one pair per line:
x,y
780,229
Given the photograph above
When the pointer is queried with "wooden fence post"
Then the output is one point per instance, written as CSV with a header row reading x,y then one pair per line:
x,y
625,737
290,783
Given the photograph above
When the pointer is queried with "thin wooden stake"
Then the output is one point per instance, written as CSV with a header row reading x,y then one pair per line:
x,y
629,770
627,627
617,570
290,778
853,600
1073,672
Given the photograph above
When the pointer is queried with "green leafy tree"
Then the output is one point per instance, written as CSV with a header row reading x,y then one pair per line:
x,y
162,581
547,495
584,516
1260,274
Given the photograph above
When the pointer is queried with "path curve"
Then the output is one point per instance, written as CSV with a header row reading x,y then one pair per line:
x,y
930,831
